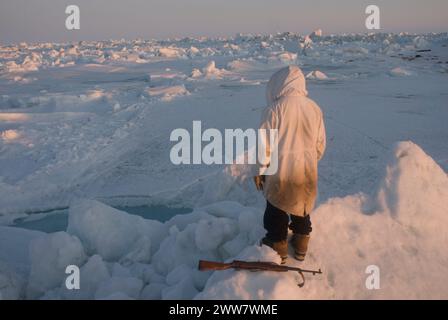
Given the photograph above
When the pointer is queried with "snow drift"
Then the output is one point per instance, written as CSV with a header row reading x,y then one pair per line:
x,y
401,228
167,93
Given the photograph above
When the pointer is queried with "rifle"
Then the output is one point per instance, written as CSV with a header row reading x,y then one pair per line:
x,y
254,266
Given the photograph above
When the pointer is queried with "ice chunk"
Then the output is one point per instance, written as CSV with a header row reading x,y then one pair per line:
x,y
116,296
317,75
153,291
211,71
178,248
128,286
400,72
119,271
92,274
390,48
113,234
245,65
228,209
316,33
210,68
50,255
11,284
358,50
196,73
285,57
31,62
171,52
211,233
193,51
167,93
420,43
14,247
180,284
307,42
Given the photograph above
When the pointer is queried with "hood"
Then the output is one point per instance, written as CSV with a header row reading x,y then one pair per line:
x,y
288,81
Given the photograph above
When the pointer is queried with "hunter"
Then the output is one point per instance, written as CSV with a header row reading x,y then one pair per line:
x,y
291,191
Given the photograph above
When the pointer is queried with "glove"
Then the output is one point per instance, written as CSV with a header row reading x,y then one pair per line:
x,y
259,181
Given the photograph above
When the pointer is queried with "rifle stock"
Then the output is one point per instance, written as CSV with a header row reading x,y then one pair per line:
x,y
211,265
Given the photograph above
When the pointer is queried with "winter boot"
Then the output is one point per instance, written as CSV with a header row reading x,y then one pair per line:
x,y
281,247
300,245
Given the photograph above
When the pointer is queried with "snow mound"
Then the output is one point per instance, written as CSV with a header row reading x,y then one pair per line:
x,y
283,57
24,80
414,188
94,95
356,51
168,93
171,52
317,75
245,65
401,229
400,72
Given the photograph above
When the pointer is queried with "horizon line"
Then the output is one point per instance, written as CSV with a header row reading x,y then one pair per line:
x,y
223,37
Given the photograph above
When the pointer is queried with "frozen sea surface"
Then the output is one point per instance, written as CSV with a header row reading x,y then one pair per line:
x,y
92,120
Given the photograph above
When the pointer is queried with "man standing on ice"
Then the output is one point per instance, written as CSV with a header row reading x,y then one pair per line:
x,y
291,191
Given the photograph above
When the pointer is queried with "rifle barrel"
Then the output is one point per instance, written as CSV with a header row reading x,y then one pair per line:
x,y
306,271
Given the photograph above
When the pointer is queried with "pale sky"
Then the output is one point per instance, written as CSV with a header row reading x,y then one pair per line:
x,y
44,20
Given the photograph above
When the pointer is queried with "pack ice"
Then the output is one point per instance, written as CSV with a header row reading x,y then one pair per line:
x,y
401,228
85,127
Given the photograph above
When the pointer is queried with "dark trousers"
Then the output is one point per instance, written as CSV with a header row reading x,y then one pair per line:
x,y
276,223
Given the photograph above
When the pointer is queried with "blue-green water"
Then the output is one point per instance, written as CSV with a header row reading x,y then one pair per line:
x,y
57,220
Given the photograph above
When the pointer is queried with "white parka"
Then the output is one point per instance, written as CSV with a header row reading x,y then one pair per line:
x,y
301,142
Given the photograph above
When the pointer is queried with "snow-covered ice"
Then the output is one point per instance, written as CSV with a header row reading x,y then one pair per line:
x,y
168,93
397,227
400,72
86,126
101,234
317,75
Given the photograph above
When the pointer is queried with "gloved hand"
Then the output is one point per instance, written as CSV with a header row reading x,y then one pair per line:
x,y
259,181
